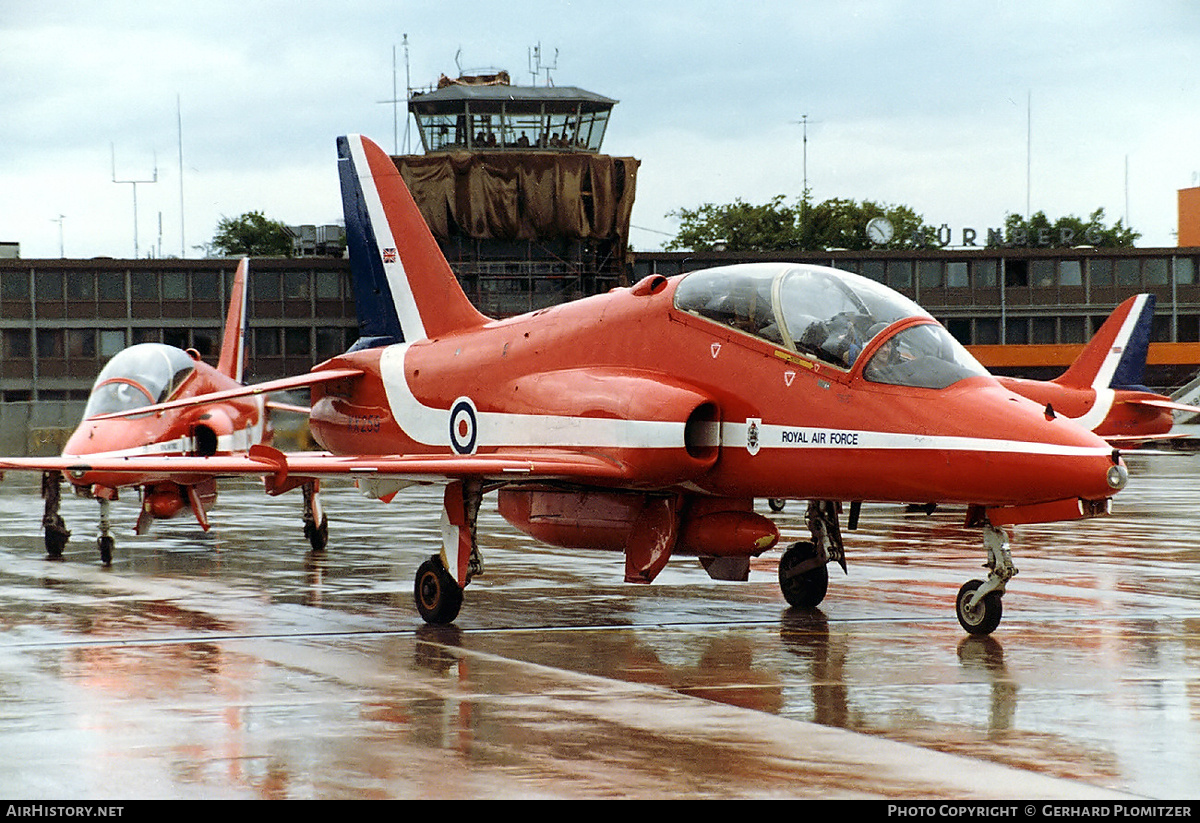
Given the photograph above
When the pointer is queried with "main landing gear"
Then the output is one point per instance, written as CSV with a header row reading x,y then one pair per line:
x,y
56,533
804,568
55,530
199,498
316,524
439,593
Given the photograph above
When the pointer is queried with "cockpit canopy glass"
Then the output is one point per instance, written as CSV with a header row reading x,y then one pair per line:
x,y
826,314
925,356
822,312
139,376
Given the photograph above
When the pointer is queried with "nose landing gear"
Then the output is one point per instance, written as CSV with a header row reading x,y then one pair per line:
x,y
978,605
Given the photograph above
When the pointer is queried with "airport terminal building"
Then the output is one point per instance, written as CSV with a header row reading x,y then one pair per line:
x,y
1019,309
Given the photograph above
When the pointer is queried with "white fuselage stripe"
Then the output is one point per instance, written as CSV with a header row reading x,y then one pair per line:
x,y
237,441
769,436
430,426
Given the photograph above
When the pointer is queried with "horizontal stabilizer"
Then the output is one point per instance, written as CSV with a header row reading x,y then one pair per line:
x,y
1165,404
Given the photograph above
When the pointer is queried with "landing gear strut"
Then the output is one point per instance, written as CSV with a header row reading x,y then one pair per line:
x,y
105,542
978,606
56,533
437,591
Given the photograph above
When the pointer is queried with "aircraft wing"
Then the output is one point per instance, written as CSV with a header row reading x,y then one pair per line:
x,y
284,384
277,466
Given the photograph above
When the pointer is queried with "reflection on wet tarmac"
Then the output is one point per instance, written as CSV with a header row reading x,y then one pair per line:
x,y
239,664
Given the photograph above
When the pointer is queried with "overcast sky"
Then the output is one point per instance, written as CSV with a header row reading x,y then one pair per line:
x,y
925,104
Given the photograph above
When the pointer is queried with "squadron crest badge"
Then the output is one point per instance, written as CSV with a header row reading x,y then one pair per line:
x,y
752,431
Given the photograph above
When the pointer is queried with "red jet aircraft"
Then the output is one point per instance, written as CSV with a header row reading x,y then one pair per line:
x,y
1102,389
648,419
154,401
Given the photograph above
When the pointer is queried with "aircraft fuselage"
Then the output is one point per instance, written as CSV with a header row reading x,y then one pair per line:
x,y
700,406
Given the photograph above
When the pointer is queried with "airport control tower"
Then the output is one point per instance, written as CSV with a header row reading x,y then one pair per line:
x,y
514,187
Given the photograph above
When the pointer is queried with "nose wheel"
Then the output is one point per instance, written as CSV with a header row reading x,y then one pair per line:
x,y
978,615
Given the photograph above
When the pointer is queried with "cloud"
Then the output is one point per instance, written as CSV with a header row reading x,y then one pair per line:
x,y
930,109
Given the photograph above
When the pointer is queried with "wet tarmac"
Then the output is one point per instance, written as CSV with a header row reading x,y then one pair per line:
x,y
235,664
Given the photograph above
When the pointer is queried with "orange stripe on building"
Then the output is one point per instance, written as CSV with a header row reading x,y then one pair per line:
x,y
1062,355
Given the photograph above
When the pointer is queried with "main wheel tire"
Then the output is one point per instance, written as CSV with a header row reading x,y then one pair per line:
x,y
804,590
106,543
57,537
318,536
437,594
985,617
776,504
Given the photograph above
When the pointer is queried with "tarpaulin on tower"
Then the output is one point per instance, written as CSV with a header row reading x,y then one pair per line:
x,y
523,195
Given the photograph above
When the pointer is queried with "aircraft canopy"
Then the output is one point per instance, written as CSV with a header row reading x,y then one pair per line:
x,y
139,376
829,315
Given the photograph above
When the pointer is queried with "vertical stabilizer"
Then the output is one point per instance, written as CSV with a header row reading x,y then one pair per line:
x,y
233,343
1116,356
403,287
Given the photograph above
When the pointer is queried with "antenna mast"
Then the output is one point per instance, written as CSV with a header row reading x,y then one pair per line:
x,y
134,185
803,122
395,101
59,220
536,66
179,130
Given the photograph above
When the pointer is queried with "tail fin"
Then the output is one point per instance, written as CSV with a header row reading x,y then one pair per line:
x,y
403,286
233,343
1116,356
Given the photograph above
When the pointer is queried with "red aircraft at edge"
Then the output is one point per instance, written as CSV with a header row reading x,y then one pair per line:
x,y
648,419
1102,390
152,400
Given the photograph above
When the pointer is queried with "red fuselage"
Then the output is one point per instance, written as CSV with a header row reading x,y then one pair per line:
x,y
684,402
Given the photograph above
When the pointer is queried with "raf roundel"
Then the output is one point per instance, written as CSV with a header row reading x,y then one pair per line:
x,y
463,429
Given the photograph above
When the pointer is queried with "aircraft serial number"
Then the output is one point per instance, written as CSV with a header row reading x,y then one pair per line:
x,y
365,424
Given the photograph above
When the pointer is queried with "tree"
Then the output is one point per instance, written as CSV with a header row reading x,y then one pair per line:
x,y
842,224
737,226
254,235
774,226
1067,231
